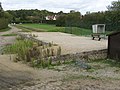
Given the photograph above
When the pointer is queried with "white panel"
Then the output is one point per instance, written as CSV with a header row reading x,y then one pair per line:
x,y
98,28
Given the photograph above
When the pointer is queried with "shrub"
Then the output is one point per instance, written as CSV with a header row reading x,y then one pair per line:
x,y
3,23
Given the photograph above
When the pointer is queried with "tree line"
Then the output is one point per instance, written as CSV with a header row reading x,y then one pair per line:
x,y
111,17
29,16
5,17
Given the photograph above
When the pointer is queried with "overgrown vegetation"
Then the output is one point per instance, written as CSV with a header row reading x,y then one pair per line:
x,y
36,53
12,34
6,29
3,23
19,47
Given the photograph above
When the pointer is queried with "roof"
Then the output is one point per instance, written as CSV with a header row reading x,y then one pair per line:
x,y
114,33
99,24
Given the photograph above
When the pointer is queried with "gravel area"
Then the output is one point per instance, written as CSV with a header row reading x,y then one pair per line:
x,y
71,43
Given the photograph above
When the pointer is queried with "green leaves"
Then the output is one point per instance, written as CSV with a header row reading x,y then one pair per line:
x,y
115,6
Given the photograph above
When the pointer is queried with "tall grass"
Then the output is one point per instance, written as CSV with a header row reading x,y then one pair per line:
x,y
6,29
20,47
53,28
34,52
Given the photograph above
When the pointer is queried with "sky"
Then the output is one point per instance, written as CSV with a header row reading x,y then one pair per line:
x,y
57,5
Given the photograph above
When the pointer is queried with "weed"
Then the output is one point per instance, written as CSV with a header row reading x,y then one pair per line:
x,y
12,34
6,29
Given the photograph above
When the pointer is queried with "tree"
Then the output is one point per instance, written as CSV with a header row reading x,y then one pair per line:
x,y
113,15
73,18
3,18
115,6
61,20
29,16
60,13
69,19
1,9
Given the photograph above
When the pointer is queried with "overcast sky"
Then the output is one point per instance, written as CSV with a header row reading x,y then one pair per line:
x,y
57,5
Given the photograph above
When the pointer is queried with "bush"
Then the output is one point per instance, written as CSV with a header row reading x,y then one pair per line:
x,y
3,23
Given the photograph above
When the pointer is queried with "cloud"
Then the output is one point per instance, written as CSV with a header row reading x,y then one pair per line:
x,y
57,5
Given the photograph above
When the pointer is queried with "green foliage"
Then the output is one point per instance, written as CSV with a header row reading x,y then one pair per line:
x,y
3,23
4,18
111,18
43,27
115,6
29,16
71,19
6,29
37,54
12,34
20,48
53,28
61,21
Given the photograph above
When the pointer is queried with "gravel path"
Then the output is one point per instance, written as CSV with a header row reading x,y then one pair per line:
x,y
12,30
7,40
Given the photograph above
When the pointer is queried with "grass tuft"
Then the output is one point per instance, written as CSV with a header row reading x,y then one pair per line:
x,y
4,30
9,34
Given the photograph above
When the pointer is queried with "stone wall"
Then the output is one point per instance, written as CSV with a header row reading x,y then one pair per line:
x,y
32,37
90,55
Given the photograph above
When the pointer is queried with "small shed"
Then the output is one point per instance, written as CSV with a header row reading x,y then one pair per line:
x,y
114,46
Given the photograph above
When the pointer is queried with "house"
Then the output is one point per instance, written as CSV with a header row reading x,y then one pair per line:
x,y
53,17
114,46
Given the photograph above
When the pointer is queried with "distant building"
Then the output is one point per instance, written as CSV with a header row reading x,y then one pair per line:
x,y
54,17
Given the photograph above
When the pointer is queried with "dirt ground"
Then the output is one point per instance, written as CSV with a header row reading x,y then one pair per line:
x,y
7,40
20,76
71,43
